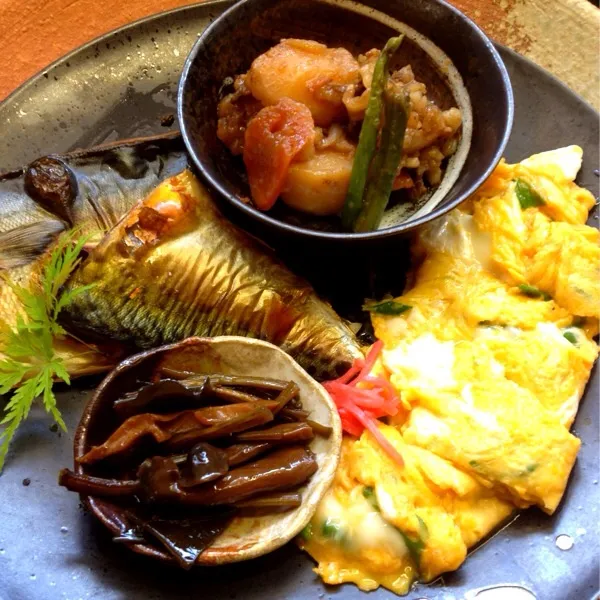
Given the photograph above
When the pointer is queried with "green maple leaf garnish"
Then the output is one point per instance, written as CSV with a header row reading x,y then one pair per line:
x,y
30,365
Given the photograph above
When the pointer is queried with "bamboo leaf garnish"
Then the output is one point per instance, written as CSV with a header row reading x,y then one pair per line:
x,y
30,365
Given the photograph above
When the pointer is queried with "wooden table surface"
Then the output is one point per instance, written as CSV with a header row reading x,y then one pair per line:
x,y
560,35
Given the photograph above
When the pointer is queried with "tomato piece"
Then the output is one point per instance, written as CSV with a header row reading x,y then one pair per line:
x,y
273,138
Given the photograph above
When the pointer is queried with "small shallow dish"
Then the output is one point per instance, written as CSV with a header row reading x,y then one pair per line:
x,y
447,51
245,537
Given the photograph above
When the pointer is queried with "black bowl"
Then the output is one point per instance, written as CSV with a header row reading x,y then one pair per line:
x,y
230,44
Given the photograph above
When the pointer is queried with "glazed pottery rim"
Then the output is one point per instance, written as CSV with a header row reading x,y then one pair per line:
x,y
214,182
218,556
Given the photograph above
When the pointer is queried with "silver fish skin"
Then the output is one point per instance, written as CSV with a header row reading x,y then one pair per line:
x,y
174,267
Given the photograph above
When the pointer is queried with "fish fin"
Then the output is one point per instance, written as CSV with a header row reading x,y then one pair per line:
x,y
23,244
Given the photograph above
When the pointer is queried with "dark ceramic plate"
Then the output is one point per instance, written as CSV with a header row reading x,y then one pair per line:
x,y
122,86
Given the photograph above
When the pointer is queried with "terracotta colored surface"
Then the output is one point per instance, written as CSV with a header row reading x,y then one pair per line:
x,y
563,36
560,35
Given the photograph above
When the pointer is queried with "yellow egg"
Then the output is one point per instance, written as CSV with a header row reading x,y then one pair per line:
x,y
490,363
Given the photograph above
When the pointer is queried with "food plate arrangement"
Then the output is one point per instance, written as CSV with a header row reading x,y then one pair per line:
x,y
123,87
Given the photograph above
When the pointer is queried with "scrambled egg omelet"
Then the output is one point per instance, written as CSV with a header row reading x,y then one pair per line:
x,y
490,363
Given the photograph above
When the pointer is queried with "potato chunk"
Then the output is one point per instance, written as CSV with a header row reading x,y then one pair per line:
x,y
319,185
307,72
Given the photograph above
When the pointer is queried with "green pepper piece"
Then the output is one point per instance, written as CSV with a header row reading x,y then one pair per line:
x,y
527,196
386,160
387,307
533,292
367,141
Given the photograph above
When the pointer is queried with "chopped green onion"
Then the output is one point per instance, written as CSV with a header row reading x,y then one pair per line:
x,y
423,529
527,196
369,493
367,141
307,532
415,547
333,530
571,337
532,467
533,292
578,322
486,323
387,307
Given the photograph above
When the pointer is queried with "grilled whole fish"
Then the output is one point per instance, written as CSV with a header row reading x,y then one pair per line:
x,y
86,189
174,267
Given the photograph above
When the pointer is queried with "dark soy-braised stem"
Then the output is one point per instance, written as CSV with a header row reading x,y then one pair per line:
x,y
282,469
284,432
241,453
229,380
181,430
176,373
96,486
296,414
322,430
259,416
287,394
282,501
160,478
237,454
229,395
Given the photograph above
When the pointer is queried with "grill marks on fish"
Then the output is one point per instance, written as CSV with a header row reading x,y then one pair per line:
x,y
200,275
190,294
213,288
